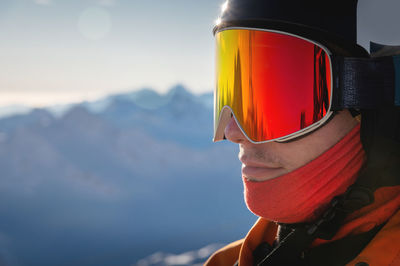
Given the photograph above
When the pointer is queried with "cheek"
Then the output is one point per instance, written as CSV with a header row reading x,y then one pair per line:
x,y
294,155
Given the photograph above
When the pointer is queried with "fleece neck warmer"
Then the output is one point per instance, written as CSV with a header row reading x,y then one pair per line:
x,y
303,194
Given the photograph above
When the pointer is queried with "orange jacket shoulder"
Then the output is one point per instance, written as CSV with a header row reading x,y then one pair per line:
x,y
384,248
227,255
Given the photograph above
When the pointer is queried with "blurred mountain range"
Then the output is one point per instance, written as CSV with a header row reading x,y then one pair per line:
x,y
113,181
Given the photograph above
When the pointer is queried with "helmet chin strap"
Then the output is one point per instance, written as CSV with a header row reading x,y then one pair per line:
x,y
382,121
371,87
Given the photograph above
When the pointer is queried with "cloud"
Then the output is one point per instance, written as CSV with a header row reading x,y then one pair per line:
x,y
42,2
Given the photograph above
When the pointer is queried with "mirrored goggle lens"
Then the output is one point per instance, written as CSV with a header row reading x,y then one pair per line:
x,y
276,85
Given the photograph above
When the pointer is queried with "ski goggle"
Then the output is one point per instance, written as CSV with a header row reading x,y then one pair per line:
x,y
276,85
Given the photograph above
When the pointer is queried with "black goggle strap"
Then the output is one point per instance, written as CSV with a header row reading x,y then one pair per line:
x,y
366,83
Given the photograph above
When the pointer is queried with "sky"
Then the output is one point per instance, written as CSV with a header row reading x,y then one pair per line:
x,y
59,50
55,51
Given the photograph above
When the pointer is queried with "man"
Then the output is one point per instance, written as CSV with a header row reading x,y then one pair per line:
x,y
291,85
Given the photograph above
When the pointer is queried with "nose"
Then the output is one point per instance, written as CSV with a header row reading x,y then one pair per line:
x,y
233,132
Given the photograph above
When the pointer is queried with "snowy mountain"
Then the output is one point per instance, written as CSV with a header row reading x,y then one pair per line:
x,y
114,181
189,258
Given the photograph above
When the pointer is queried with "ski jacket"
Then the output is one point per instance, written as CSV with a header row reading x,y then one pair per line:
x,y
381,248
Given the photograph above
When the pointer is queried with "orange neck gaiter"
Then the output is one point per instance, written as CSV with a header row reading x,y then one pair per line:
x,y
303,194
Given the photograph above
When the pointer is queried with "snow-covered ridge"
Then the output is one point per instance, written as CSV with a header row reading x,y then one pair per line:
x,y
189,258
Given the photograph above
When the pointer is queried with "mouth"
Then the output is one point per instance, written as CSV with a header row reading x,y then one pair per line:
x,y
255,171
260,173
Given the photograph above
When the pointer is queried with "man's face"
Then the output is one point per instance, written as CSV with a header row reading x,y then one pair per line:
x,y
272,159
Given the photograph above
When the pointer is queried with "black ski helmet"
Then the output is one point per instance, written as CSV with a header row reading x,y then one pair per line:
x,y
330,22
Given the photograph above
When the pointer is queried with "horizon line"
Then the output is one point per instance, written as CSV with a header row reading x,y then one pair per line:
x,y
43,99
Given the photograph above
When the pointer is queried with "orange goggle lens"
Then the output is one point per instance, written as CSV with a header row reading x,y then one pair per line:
x,y
276,85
